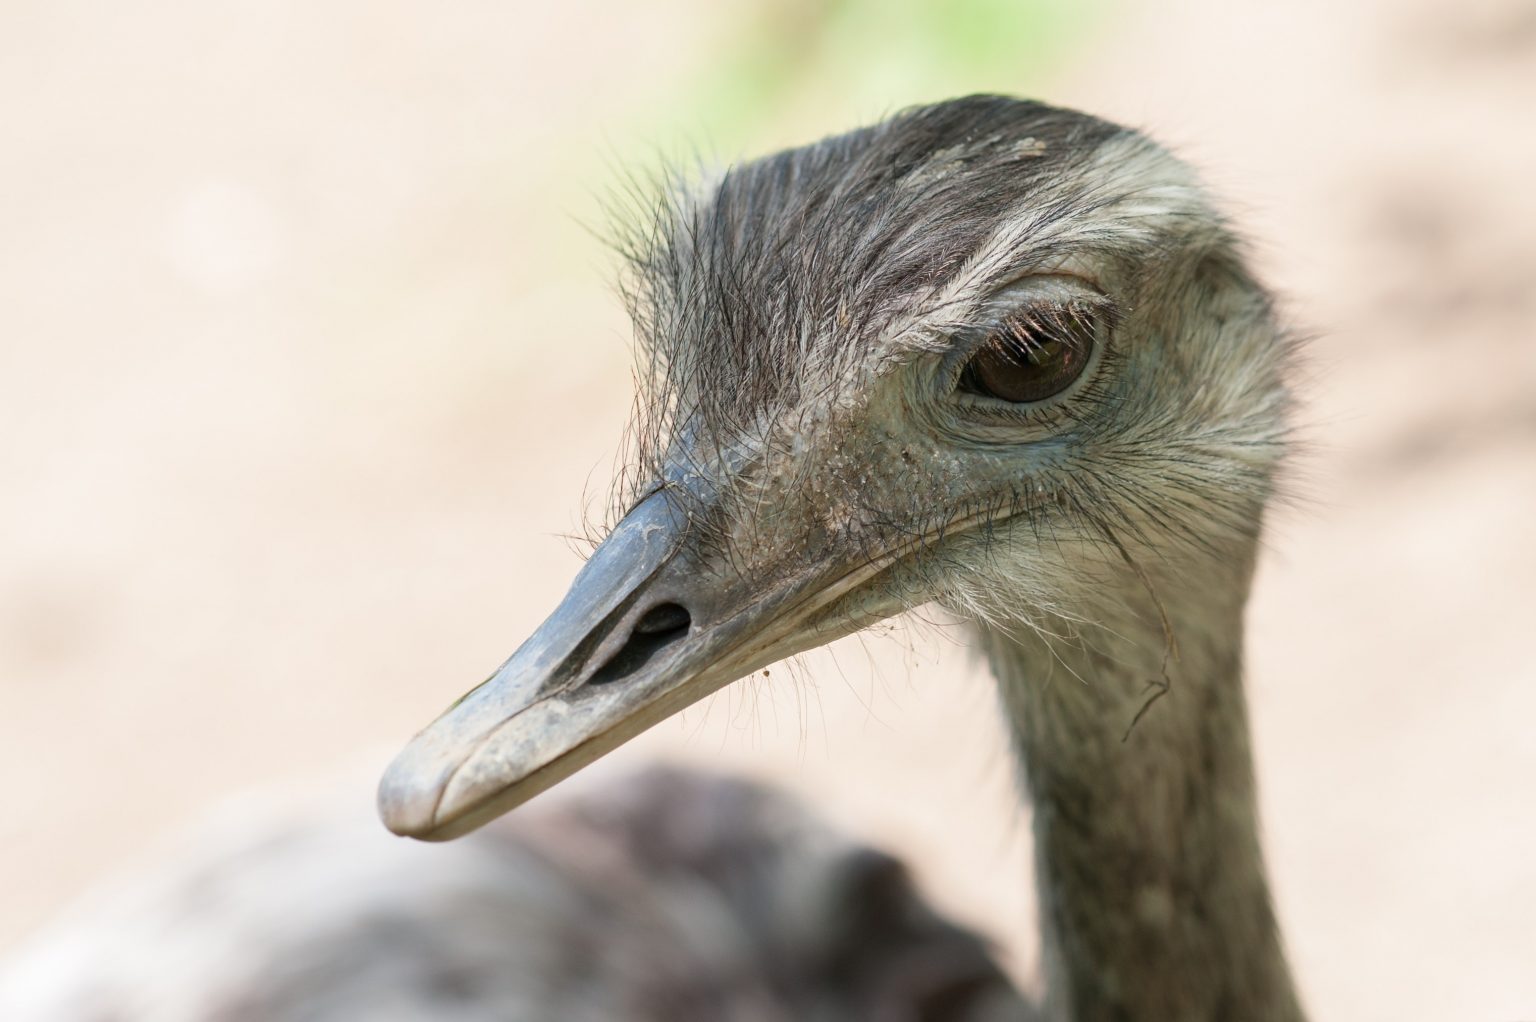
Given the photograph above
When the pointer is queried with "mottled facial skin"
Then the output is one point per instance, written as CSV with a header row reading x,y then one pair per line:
x,y
809,455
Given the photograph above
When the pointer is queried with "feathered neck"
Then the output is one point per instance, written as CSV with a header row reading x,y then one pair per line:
x,y
1153,895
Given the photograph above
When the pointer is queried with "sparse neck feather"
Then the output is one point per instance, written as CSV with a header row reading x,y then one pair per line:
x,y
1152,888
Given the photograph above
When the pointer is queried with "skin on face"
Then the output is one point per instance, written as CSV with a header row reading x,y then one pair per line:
x,y
817,447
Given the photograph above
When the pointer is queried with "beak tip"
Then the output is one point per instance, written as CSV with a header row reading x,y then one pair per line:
x,y
430,792
405,806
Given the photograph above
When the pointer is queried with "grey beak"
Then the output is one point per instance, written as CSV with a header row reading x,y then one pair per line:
x,y
645,630
554,705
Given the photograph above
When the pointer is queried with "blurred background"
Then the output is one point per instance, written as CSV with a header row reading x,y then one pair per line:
x,y
308,355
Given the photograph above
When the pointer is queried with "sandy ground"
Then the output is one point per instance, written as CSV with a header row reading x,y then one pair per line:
x,y
302,374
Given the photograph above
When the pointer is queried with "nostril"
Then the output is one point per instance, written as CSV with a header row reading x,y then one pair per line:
x,y
662,618
657,628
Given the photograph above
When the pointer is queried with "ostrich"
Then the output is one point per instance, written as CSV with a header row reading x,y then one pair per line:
x,y
990,354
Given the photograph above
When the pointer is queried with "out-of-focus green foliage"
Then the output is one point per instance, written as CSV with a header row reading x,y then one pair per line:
x,y
796,68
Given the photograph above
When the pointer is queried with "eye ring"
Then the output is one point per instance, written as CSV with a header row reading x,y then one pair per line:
x,y
1031,356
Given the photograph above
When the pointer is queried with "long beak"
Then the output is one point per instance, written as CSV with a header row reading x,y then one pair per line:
x,y
645,630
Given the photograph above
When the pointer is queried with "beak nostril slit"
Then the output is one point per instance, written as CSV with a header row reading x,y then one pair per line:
x,y
662,618
657,628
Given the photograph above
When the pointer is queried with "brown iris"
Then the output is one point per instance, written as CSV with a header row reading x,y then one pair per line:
x,y
1030,359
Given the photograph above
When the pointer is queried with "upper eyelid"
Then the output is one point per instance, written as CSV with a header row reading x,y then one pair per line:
x,y
1068,270
956,322
1040,286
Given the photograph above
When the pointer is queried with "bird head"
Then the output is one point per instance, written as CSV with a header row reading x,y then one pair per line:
x,y
988,353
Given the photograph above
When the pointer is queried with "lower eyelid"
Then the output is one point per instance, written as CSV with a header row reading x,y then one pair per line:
x,y
998,409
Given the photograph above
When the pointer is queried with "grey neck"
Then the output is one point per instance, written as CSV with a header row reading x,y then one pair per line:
x,y
1153,895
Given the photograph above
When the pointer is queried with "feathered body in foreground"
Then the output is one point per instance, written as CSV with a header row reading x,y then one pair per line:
x,y
988,353
663,896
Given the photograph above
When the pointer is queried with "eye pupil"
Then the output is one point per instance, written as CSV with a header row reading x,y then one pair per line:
x,y
1029,362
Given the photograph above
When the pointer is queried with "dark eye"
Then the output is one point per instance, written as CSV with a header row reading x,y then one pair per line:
x,y
1031,358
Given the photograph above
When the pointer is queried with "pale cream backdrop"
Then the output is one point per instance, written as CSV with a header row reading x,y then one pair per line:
x,y
307,359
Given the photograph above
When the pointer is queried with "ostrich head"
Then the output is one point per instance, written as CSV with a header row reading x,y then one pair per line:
x,y
988,353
